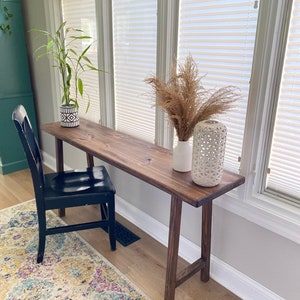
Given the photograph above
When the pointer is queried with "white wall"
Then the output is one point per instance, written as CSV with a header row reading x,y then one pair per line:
x,y
261,255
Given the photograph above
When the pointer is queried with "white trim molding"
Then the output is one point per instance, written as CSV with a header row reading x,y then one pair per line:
x,y
278,217
224,274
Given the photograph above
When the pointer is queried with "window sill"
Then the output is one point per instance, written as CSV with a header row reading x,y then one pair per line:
x,y
280,218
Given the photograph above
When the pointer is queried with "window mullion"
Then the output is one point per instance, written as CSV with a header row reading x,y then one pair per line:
x,y
167,40
105,61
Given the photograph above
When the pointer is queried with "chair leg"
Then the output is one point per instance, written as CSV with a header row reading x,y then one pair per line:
x,y
112,225
42,234
104,214
41,249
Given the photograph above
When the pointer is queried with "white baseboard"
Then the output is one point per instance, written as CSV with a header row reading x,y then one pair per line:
x,y
50,162
224,274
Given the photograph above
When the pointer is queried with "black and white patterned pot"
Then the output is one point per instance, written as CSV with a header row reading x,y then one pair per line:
x,y
69,116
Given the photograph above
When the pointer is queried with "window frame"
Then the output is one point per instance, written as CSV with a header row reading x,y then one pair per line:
x,y
167,40
53,17
250,200
106,62
260,206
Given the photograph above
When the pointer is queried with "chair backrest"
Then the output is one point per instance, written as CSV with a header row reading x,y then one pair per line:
x,y
31,148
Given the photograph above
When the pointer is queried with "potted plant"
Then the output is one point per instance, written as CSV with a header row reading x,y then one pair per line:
x,y
71,61
187,103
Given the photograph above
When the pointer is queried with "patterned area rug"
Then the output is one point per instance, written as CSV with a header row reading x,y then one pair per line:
x,y
71,269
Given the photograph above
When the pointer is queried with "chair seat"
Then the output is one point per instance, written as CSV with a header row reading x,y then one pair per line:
x,y
78,187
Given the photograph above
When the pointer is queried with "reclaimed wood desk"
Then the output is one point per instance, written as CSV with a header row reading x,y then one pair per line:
x,y
152,164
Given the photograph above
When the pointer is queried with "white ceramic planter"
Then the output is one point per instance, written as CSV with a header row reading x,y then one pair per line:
x,y
208,153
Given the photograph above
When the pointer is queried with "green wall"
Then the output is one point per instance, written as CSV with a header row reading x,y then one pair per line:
x,y
15,88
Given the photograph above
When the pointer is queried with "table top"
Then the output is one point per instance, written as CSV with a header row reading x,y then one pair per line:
x,y
144,160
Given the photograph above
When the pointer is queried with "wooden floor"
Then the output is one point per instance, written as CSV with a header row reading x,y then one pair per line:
x,y
143,262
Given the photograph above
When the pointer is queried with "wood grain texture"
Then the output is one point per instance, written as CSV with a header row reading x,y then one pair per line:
x,y
152,164
141,159
173,247
206,239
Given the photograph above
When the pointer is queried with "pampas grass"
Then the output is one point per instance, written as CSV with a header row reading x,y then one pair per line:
x,y
186,101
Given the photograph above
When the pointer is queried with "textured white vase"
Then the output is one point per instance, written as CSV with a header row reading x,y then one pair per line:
x,y
208,153
182,156
69,116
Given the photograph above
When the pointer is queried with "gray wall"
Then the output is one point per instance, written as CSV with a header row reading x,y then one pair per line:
x,y
264,256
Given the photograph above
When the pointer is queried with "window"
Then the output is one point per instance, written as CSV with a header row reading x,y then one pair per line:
x,y
135,48
220,35
134,36
284,158
253,45
81,14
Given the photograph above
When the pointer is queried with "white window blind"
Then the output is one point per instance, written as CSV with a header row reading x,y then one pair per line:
x,y
220,36
284,163
81,14
134,31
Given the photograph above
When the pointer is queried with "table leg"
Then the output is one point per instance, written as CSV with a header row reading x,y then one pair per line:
x,y
173,246
60,165
90,160
59,155
206,239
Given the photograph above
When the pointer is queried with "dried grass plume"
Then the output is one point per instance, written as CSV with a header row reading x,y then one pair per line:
x,y
186,101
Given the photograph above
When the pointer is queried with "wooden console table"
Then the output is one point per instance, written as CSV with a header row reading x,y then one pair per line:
x,y
153,165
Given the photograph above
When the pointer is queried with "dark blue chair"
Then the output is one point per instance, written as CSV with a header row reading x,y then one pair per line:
x,y
65,189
